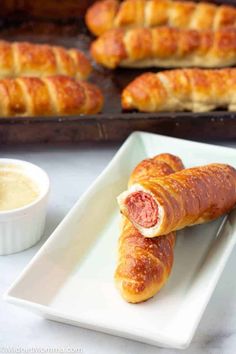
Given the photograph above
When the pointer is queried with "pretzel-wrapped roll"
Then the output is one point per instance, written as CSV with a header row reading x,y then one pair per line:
x,y
27,59
158,166
100,16
182,89
108,14
192,196
55,95
165,47
145,264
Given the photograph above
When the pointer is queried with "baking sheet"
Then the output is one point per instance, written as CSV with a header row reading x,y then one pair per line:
x,y
112,124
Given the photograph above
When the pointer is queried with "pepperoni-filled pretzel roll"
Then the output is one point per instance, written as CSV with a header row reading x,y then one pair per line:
x,y
107,14
192,196
27,59
145,264
165,47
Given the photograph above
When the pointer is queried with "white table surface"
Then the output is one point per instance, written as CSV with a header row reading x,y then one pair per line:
x,y
71,170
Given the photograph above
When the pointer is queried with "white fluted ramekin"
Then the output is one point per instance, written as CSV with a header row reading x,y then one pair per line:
x,y
21,228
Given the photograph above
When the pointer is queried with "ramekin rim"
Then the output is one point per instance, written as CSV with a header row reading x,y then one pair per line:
x,y
41,196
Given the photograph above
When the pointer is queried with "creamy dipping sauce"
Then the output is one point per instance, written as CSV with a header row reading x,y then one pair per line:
x,y
16,190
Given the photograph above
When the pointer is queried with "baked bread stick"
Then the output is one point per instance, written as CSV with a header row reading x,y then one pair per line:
x,y
165,47
193,90
54,95
27,59
105,15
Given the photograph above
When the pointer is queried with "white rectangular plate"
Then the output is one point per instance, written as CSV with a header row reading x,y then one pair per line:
x,y
71,278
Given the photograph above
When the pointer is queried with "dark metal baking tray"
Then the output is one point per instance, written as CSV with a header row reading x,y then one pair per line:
x,y
25,20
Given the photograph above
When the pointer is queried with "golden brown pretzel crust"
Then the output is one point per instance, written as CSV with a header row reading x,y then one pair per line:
x,y
108,14
100,16
158,166
28,96
165,47
178,90
192,196
145,264
26,59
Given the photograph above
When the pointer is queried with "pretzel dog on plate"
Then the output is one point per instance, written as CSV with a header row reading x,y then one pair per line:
x,y
188,197
145,264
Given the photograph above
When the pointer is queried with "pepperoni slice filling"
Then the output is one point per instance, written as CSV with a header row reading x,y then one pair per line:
x,y
142,209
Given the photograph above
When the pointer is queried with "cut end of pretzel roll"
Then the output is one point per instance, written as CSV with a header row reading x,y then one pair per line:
x,y
100,16
140,205
142,209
